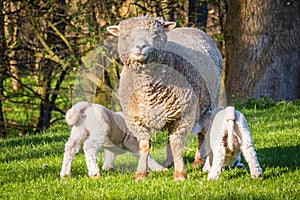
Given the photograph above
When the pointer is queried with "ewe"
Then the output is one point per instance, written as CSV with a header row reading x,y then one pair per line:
x,y
96,126
163,83
228,135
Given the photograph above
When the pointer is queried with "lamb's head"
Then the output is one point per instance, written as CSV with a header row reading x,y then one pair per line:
x,y
139,35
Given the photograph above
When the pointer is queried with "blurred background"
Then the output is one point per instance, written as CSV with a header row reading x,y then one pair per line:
x,y
45,44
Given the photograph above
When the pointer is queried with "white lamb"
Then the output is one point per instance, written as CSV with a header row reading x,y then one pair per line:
x,y
96,126
228,136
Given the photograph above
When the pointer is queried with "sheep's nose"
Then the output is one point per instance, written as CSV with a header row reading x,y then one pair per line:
x,y
141,46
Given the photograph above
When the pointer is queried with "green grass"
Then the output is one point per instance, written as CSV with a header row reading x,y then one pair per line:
x,y
30,166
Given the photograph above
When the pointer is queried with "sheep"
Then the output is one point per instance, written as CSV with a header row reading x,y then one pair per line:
x,y
228,135
96,126
162,85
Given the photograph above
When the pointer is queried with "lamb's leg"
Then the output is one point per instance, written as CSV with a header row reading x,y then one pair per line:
x,y
208,163
169,159
109,158
238,162
91,148
176,143
218,161
250,156
154,166
71,149
141,172
199,158
131,144
248,149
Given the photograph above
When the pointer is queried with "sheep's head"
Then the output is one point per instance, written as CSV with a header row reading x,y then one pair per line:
x,y
139,35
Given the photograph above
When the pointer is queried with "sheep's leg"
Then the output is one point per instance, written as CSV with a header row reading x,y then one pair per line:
x,y
199,157
218,161
71,149
176,143
141,172
109,158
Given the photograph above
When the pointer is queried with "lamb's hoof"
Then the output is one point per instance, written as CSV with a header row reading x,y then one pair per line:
x,y
62,176
179,176
165,170
257,175
212,178
170,164
140,176
95,176
107,168
198,163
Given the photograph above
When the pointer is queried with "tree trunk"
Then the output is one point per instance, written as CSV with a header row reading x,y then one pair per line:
x,y
11,35
52,39
3,67
262,49
197,13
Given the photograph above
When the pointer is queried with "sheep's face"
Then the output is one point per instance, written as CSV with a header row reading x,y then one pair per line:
x,y
140,35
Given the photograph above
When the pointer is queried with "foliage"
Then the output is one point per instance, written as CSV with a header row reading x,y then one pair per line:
x,y
44,42
29,166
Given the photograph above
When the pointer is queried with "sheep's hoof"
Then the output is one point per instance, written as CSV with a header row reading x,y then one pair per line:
x,y
140,176
179,176
95,176
198,163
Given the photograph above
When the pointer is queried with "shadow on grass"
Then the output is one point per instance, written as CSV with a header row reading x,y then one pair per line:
x,y
276,160
32,147
34,140
279,160
288,157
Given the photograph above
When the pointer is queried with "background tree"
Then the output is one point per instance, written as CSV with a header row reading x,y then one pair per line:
x,y
3,66
262,49
44,43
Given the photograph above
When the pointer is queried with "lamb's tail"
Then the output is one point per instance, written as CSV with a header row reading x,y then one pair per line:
x,y
230,117
74,114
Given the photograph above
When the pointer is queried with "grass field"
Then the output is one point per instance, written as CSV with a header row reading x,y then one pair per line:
x,y
30,166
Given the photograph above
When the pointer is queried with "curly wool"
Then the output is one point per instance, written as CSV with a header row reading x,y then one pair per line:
x,y
168,90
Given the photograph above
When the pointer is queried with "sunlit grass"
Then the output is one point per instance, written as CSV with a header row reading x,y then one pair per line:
x,y
30,166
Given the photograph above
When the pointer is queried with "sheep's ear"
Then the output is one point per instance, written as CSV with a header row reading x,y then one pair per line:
x,y
169,25
114,30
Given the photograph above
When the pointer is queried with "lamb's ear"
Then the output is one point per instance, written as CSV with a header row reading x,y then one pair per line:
x,y
114,30
169,25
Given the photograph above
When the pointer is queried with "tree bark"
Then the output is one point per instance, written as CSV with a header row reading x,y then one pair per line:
x,y
11,35
262,49
3,67
197,13
52,40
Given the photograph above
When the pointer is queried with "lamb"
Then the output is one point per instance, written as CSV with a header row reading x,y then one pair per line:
x,y
96,126
228,136
162,84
